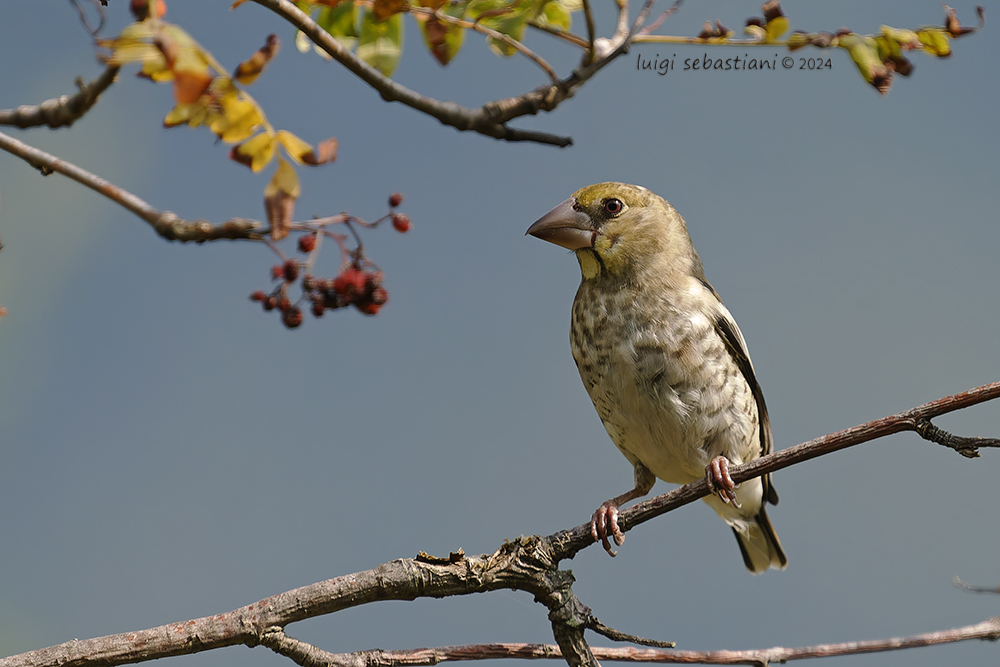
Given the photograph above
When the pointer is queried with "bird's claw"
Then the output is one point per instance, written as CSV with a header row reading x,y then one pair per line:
x,y
604,518
719,481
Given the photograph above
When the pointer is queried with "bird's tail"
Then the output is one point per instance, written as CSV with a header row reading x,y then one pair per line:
x,y
760,545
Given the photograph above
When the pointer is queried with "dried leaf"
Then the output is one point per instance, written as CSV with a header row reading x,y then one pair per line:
x,y
279,199
326,151
248,70
383,9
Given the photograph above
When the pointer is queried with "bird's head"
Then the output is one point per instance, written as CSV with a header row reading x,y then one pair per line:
x,y
620,229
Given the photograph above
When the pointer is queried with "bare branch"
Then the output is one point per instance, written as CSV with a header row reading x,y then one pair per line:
x,y
164,223
988,630
60,111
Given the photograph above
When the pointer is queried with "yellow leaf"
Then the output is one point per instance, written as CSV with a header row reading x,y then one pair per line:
x,y
236,119
296,147
192,114
256,152
935,41
777,27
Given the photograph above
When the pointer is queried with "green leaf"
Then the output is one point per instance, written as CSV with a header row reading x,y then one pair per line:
x,y
381,43
443,40
555,14
508,18
341,22
935,41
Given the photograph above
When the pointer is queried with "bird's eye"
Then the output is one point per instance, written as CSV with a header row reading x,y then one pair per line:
x,y
613,206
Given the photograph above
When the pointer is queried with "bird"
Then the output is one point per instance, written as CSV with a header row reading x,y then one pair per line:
x,y
663,361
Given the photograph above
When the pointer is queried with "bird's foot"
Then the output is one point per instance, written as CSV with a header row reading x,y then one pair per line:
x,y
719,481
604,521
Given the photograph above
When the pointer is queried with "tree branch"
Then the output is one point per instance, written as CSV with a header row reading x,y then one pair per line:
x,y
310,656
165,223
567,544
489,120
527,564
61,111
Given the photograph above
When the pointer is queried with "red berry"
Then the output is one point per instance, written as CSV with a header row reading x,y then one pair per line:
x,y
350,283
291,270
307,242
284,305
270,303
292,317
318,308
258,296
395,199
401,222
379,296
368,307
277,272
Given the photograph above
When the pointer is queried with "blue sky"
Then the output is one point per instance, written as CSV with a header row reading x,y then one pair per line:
x,y
170,451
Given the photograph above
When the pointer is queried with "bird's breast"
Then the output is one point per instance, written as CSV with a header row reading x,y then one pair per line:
x,y
662,382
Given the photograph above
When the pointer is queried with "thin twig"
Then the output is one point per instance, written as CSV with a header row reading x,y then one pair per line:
x,y
667,13
308,655
566,35
619,636
967,447
974,589
63,110
83,16
164,223
588,16
479,27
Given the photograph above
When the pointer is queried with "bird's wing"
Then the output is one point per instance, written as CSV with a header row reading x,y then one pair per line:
x,y
731,335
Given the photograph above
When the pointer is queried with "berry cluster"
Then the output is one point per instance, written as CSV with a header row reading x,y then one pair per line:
x,y
358,284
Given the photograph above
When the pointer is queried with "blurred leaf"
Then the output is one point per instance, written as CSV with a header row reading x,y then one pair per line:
x,y
248,70
341,22
508,18
443,40
190,86
864,53
381,42
555,14
279,199
295,147
776,27
191,114
383,9
256,152
326,151
935,41
235,118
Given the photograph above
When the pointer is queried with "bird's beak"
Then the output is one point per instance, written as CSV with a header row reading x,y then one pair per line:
x,y
565,226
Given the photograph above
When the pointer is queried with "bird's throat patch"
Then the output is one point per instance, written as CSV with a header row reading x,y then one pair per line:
x,y
591,263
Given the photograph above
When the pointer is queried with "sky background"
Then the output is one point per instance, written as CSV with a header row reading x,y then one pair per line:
x,y
169,451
